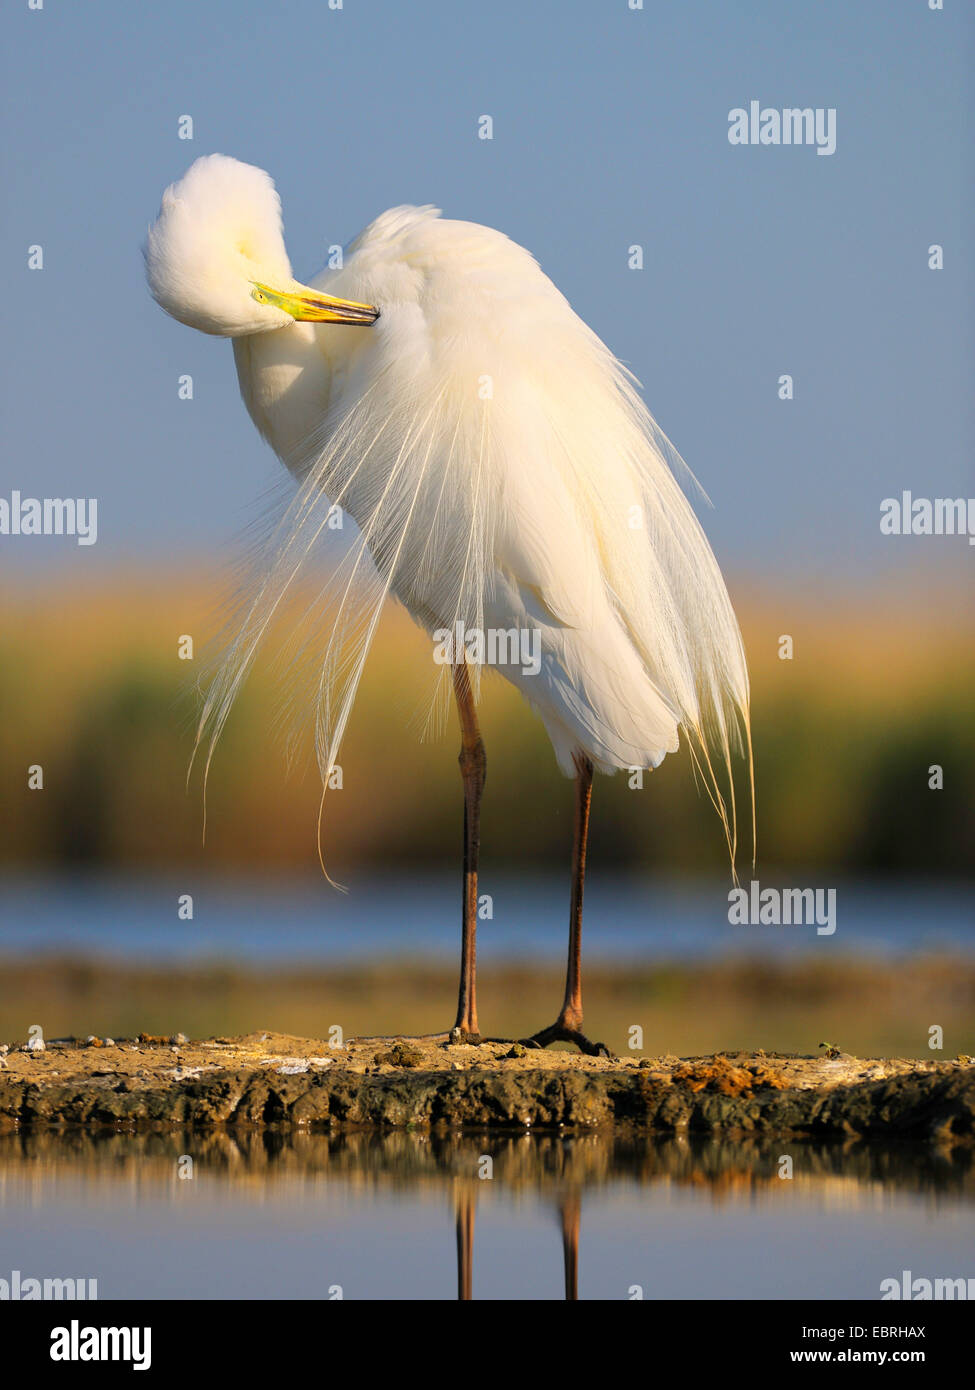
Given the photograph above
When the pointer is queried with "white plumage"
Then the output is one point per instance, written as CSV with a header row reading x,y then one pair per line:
x,y
501,468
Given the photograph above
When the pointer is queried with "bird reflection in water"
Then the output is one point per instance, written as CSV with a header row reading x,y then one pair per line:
x,y
569,1206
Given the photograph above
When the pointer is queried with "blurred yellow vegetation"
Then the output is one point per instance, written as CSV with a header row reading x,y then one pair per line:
x,y
91,688
871,1008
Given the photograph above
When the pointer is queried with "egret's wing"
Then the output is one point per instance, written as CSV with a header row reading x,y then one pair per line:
x,y
622,553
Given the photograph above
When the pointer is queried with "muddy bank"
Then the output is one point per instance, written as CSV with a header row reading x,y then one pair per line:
x,y
272,1079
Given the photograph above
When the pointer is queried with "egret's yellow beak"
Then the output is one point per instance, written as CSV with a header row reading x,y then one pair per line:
x,y
309,306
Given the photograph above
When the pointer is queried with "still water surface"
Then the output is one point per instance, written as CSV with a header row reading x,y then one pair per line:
x,y
406,1216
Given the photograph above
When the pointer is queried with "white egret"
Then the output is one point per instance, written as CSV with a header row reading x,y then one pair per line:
x,y
510,487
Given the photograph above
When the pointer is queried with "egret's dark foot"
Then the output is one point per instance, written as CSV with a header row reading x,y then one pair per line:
x,y
560,1033
462,1037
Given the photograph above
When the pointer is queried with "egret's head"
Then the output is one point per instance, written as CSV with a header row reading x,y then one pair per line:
x,y
215,256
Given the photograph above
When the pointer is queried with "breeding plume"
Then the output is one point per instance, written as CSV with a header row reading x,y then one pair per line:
x,y
509,487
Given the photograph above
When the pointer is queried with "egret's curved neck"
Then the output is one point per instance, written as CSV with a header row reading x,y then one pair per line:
x,y
285,381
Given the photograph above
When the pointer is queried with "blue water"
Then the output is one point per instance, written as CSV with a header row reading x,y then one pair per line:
x,y
283,1225
307,921
187,1241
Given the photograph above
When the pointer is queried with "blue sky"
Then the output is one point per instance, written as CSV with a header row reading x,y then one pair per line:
x,y
610,128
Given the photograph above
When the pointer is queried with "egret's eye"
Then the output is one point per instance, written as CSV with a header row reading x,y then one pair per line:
x,y
259,295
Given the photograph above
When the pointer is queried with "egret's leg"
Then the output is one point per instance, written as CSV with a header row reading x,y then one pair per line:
x,y
571,1015
473,765
465,1248
569,1211
568,1026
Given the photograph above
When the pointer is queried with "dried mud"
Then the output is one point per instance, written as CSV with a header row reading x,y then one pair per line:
x,y
273,1080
